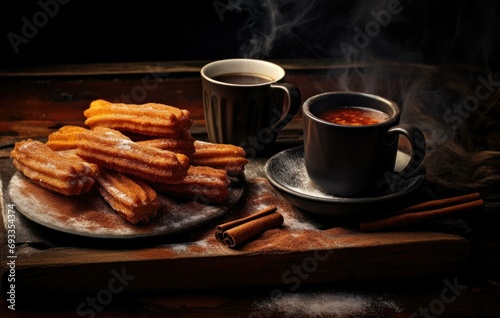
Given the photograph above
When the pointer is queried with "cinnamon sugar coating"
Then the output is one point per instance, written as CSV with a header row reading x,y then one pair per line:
x,y
65,138
150,119
51,170
71,154
111,149
220,156
183,144
132,199
203,184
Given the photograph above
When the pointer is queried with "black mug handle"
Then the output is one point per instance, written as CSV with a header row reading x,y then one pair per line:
x,y
292,105
418,148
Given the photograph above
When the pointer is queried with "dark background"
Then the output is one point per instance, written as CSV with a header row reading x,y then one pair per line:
x,y
428,31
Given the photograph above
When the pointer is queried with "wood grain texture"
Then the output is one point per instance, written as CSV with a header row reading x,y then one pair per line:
x,y
355,256
183,275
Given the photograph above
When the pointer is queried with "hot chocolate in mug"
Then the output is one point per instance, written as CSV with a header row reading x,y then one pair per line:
x,y
351,143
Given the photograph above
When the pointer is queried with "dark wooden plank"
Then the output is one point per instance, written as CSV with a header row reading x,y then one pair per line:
x,y
389,255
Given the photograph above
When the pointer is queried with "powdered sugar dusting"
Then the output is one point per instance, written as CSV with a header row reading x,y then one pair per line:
x,y
124,144
327,304
305,185
49,166
176,214
297,224
292,173
179,248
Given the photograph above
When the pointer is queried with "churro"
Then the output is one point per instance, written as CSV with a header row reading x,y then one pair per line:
x,y
64,138
51,170
150,119
202,184
134,200
220,156
183,144
111,149
71,154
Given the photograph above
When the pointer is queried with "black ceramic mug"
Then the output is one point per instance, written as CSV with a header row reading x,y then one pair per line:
x,y
244,103
356,159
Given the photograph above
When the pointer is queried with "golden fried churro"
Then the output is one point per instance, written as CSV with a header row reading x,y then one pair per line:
x,y
111,149
64,138
203,184
183,144
71,154
134,200
51,170
151,119
220,156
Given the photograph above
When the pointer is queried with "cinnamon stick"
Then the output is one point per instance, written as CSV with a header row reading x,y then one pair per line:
x,y
426,211
238,231
434,204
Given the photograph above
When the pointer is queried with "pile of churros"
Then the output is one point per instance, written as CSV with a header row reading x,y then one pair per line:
x,y
130,153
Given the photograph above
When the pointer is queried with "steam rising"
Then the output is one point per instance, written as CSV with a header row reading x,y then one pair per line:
x,y
357,31
270,21
317,28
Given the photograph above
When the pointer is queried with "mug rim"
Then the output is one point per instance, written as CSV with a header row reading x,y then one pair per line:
x,y
392,119
206,67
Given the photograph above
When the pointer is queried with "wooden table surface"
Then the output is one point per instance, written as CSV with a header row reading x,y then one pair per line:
x,y
446,271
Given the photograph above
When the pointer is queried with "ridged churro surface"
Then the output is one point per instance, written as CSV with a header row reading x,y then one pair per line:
x,y
202,184
150,119
65,138
51,170
71,154
113,150
134,200
183,144
220,156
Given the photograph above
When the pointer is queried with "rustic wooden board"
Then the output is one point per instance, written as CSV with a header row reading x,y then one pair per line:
x,y
306,249
169,268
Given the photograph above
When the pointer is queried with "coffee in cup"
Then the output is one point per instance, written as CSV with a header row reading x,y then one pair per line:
x,y
244,103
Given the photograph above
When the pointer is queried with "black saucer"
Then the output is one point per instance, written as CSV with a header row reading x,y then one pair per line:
x,y
287,173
